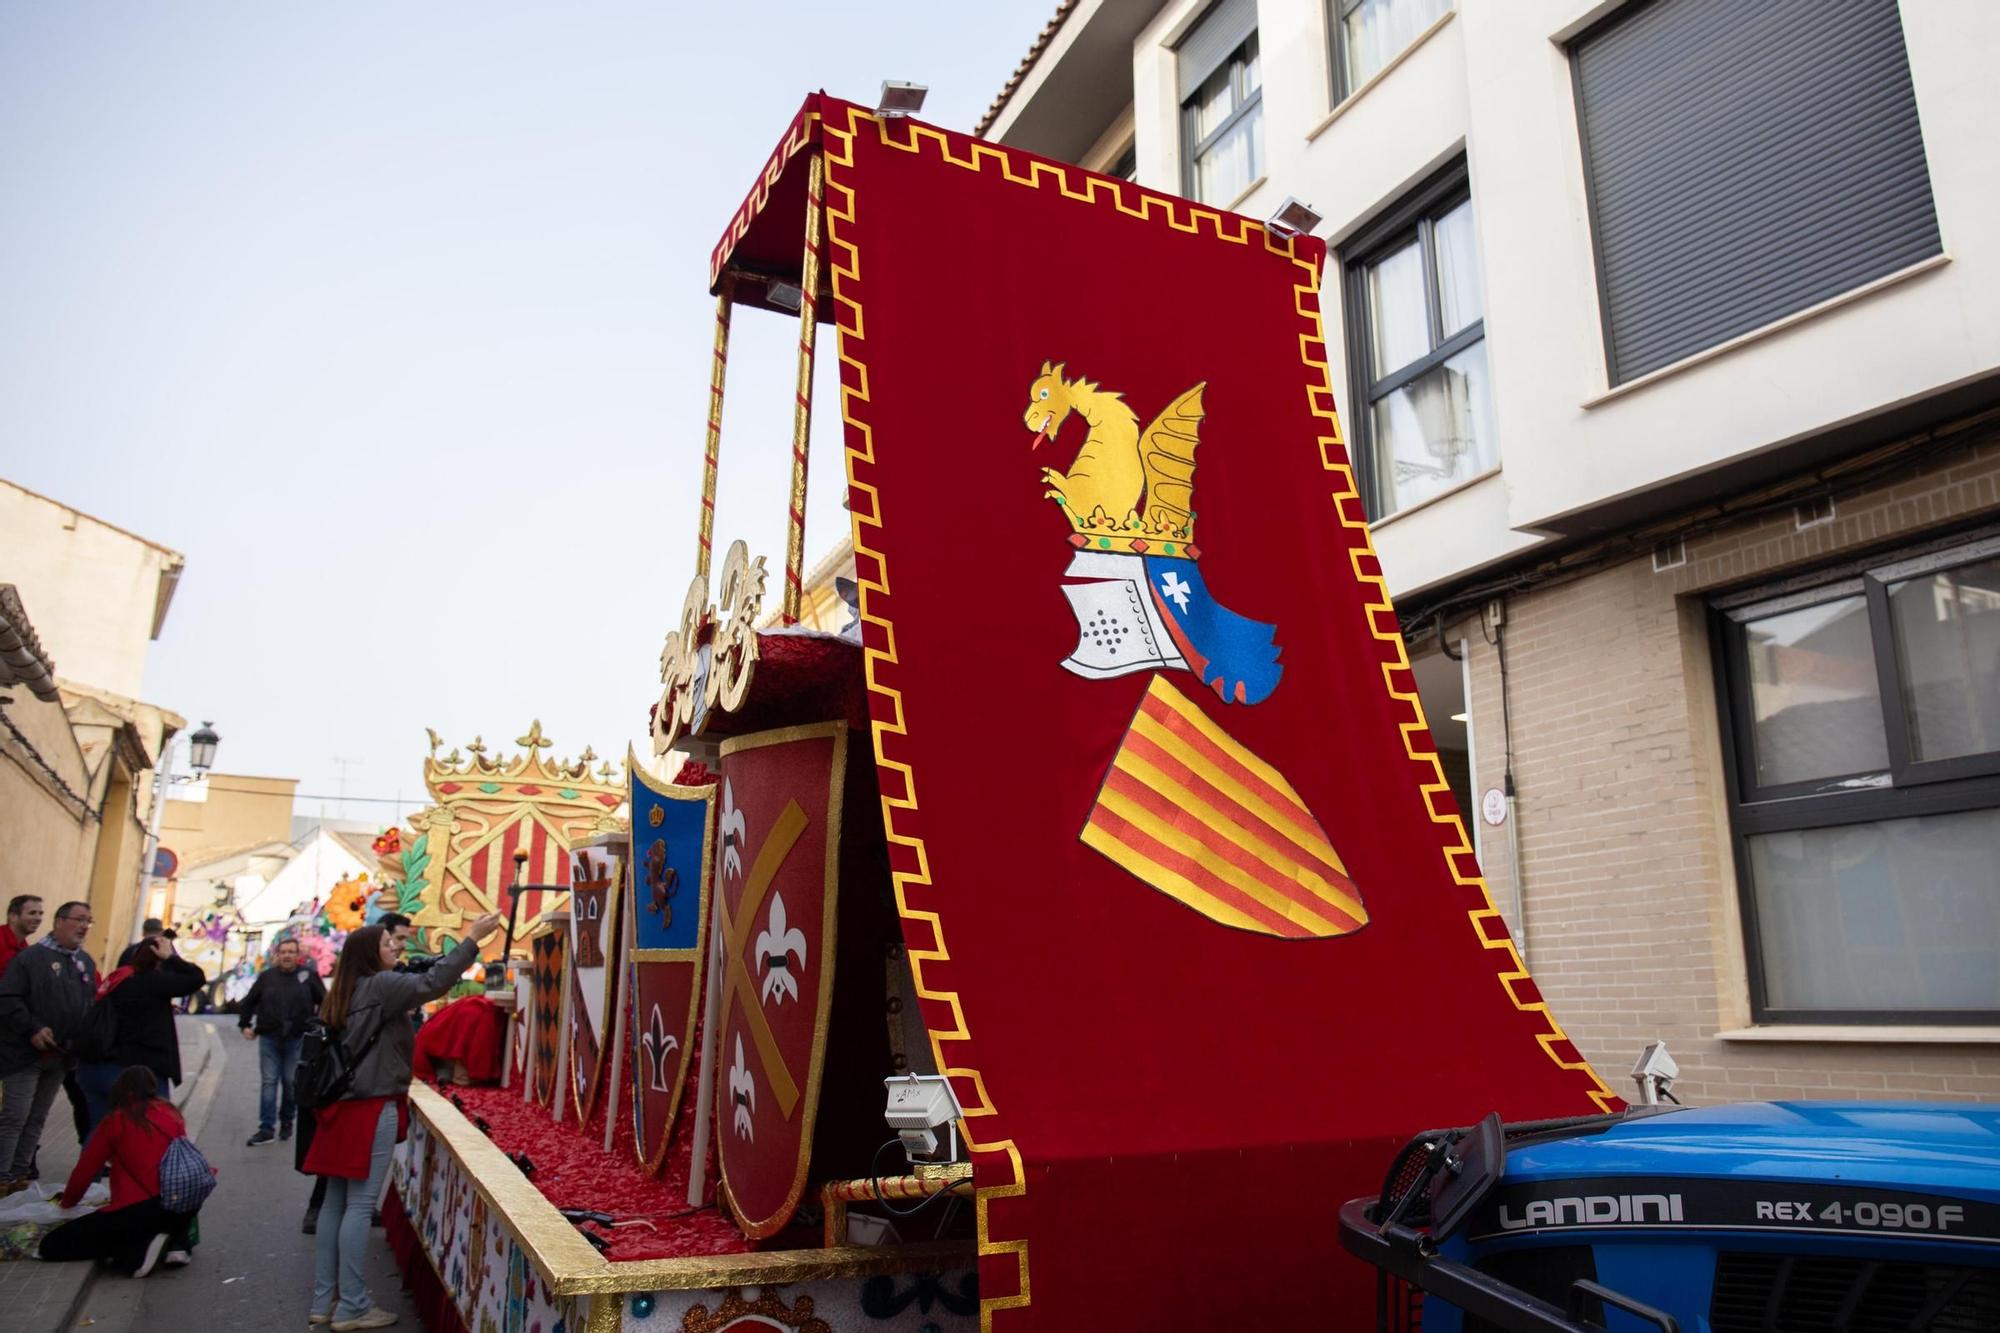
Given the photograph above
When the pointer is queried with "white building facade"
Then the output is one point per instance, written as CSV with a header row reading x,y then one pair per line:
x,y
1666,336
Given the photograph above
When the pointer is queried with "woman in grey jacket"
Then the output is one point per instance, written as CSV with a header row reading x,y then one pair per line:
x,y
355,1137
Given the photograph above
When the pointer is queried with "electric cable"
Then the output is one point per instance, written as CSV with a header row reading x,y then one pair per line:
x,y
875,1179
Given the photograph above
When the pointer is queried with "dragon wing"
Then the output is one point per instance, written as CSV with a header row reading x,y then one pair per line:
x,y
1166,451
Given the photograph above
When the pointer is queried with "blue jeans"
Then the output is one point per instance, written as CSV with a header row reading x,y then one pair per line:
x,y
342,1241
96,1079
278,1061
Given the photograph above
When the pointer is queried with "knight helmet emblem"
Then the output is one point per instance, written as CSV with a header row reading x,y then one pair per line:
x,y
1129,499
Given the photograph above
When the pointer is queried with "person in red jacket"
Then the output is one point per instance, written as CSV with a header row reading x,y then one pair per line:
x,y
24,918
133,1231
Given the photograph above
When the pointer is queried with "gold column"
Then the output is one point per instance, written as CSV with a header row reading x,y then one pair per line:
x,y
605,1314
714,440
795,537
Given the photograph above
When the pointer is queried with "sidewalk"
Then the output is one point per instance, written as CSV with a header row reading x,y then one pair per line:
x,y
41,1295
253,1269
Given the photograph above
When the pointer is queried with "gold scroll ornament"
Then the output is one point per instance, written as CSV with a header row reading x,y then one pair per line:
x,y
696,677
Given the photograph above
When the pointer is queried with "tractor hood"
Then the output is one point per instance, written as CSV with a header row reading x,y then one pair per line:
x,y
1952,1147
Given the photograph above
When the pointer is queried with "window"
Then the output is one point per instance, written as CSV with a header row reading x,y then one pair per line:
x,y
1126,165
1421,421
1744,162
1222,104
1368,34
1863,716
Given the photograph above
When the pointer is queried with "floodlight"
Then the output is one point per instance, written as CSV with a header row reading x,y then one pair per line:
x,y
900,99
1655,1074
919,1106
1294,218
784,295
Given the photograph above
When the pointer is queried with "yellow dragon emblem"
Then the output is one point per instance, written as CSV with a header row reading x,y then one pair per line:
x,y
1118,465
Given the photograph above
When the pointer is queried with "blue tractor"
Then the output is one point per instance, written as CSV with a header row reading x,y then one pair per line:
x,y
1759,1217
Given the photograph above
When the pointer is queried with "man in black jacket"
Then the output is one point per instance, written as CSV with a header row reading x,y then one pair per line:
x,y
278,1003
44,996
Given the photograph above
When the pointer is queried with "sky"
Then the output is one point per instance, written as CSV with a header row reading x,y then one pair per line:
x,y
393,319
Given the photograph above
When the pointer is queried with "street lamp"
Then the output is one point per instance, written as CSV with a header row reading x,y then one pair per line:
x,y
201,748
201,757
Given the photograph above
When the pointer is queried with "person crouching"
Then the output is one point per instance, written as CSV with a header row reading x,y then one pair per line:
x,y
134,1231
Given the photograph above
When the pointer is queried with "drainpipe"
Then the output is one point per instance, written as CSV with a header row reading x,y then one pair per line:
x,y
1496,616
163,779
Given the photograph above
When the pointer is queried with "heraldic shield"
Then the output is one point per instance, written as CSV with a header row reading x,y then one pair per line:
x,y
546,967
594,880
666,916
777,877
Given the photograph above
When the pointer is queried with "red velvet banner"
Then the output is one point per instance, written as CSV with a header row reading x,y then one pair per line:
x,y
1195,923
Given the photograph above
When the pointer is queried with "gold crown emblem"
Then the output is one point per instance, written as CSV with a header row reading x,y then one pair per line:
x,y
1128,489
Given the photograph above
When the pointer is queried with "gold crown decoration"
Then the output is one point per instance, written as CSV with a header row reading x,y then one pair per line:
x,y
1129,489
531,765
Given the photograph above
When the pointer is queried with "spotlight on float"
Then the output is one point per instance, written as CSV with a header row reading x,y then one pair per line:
x,y
919,1106
900,99
784,295
1294,218
1655,1074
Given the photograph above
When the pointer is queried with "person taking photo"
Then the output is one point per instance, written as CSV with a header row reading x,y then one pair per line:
x,y
141,993
354,1138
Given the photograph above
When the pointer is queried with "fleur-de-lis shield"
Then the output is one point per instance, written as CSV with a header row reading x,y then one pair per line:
x,y
665,919
775,901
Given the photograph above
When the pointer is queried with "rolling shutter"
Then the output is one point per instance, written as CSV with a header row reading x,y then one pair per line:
x,y
1745,161
1213,40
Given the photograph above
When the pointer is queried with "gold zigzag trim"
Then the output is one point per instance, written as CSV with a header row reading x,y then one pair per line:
x,y
1401,684
866,510
798,136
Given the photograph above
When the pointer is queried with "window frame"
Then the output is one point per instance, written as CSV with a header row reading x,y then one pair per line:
x,y
1192,148
1127,158
1912,788
1415,216
1336,22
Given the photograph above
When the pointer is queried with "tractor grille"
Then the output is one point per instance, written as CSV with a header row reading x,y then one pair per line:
x,y
1546,1271
1775,1293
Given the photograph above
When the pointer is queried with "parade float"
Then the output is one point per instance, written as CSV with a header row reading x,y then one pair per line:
x,y
1117,845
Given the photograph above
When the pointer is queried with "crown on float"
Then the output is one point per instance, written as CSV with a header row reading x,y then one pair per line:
x,y
531,764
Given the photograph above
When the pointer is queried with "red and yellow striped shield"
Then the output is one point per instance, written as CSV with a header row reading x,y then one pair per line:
x,y
1191,811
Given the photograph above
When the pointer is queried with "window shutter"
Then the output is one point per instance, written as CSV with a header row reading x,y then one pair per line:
x,y
1745,161
1211,42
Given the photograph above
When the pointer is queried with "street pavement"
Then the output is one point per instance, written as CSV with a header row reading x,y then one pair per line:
x,y
253,1269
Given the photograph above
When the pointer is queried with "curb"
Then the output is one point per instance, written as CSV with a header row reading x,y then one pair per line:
x,y
210,1047
202,1087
